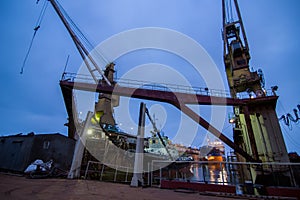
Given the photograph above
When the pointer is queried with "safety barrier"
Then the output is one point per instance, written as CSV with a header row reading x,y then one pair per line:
x,y
167,87
228,173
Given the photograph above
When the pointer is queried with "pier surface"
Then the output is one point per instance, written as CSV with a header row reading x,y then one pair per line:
x,y
19,187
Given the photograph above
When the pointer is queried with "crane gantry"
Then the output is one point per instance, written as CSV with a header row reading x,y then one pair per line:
x,y
257,134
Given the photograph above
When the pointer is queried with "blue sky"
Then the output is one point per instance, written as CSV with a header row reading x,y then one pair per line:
x,y
33,101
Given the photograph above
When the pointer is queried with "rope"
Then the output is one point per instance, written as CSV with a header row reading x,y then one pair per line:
x,y
37,27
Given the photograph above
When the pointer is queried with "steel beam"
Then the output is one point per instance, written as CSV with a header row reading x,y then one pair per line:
x,y
155,95
202,122
177,99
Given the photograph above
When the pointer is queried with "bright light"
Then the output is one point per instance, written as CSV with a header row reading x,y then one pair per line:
x,y
90,132
232,120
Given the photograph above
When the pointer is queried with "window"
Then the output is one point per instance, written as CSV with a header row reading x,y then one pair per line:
x,y
46,144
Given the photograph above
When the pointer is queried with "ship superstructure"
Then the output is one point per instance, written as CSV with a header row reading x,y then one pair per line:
x,y
214,150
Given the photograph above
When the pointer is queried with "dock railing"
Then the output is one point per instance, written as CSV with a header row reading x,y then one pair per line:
x,y
106,172
228,173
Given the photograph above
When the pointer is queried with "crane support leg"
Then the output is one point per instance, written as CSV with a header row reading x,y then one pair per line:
x,y
250,132
194,116
137,178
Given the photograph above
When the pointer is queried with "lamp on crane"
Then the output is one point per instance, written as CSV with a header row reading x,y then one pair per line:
x,y
274,89
249,91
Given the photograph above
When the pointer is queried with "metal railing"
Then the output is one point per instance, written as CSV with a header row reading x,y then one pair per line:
x,y
205,172
167,87
228,173
106,172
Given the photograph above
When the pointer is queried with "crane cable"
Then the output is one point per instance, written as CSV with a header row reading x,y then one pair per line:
x,y
36,28
288,117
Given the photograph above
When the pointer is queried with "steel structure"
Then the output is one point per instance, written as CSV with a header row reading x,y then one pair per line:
x,y
179,100
257,130
257,135
236,53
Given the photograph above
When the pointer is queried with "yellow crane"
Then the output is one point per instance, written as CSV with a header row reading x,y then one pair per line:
x,y
256,127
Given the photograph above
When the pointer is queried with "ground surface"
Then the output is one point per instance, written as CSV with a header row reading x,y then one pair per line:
x,y
15,187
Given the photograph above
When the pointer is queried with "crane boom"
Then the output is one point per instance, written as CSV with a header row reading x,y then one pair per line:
x,y
237,56
84,53
106,102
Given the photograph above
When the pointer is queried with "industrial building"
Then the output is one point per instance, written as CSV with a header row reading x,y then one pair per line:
x,y
19,151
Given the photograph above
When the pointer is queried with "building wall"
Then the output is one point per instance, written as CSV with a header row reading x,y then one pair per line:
x,y
17,152
53,146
